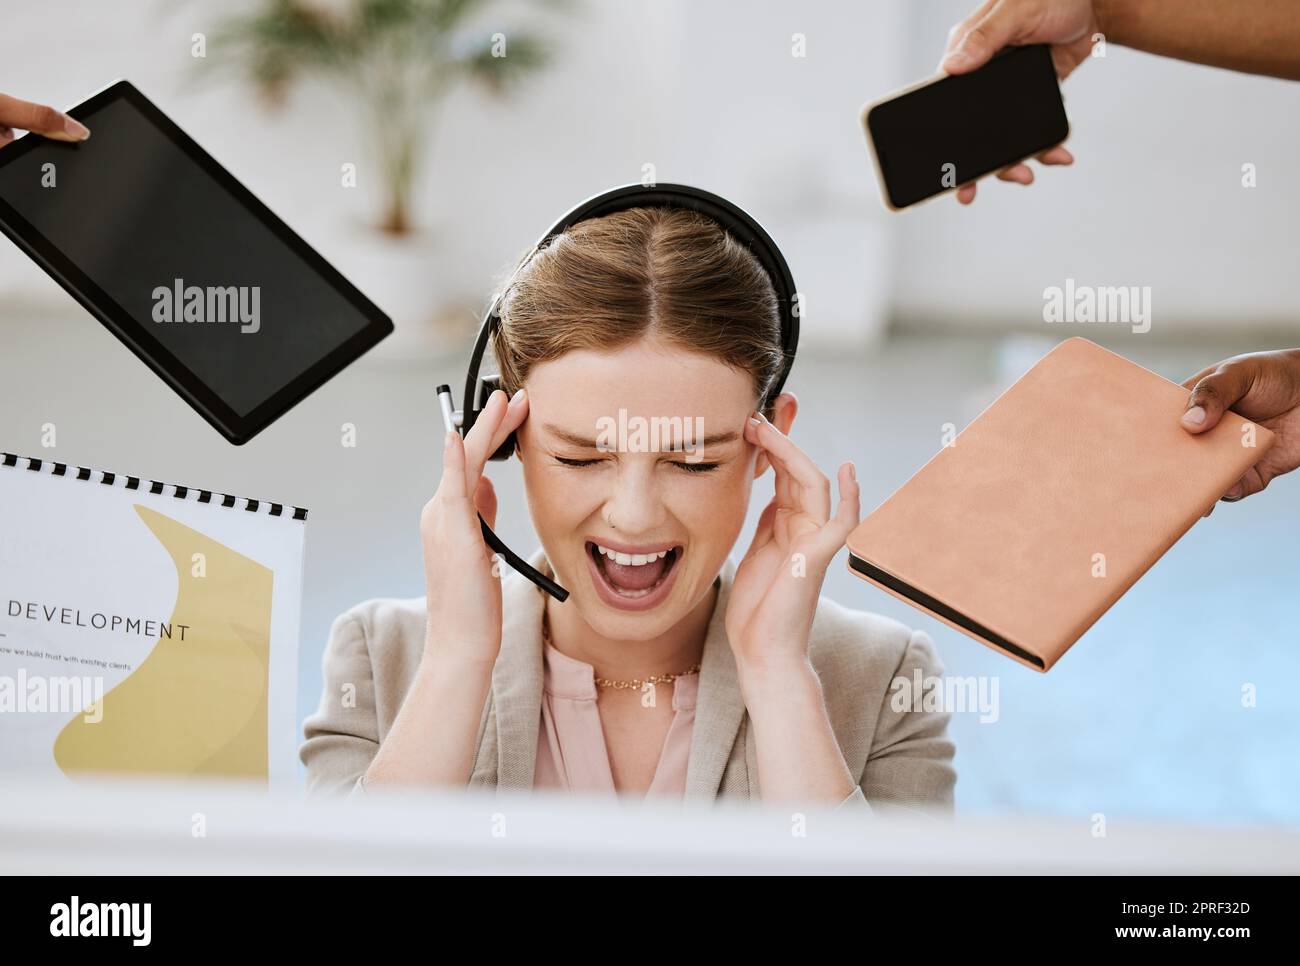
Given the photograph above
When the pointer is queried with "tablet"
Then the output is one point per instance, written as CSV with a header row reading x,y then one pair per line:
x,y
183,264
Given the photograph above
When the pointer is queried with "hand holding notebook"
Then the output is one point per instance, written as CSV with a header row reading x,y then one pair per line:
x,y
1052,503
1262,386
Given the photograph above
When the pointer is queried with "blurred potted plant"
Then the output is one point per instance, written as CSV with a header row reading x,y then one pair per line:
x,y
394,61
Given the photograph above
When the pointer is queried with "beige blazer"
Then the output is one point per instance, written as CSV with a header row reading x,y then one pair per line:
x,y
902,759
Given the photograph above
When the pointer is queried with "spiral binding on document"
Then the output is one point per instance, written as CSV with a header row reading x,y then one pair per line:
x,y
154,487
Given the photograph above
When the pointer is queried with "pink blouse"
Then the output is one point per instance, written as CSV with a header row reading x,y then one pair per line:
x,y
571,752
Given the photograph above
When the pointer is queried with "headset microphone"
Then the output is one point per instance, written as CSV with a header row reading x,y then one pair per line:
x,y
737,223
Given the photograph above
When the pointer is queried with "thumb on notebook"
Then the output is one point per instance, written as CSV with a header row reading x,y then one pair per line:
x,y
1263,387
1212,395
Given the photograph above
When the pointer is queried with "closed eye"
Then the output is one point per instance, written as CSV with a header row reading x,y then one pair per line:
x,y
680,464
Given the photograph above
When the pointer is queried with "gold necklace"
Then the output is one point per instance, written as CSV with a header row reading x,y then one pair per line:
x,y
637,683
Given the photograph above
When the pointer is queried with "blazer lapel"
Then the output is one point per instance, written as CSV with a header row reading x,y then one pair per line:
x,y
719,708
517,683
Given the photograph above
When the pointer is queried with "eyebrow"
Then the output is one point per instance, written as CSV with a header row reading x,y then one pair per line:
x,y
577,439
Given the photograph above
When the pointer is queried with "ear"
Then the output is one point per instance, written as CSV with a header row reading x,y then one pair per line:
x,y
784,408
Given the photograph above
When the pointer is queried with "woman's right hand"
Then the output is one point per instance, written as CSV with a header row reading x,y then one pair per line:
x,y
461,573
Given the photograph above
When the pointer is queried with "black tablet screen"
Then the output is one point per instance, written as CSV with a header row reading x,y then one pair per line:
x,y
238,304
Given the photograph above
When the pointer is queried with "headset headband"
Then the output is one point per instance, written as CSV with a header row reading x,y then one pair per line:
x,y
735,220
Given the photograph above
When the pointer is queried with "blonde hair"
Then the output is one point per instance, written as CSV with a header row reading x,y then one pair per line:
x,y
670,273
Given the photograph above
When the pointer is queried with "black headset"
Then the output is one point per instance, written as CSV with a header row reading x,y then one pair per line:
x,y
737,222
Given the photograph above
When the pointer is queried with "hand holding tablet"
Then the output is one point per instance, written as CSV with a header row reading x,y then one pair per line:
x,y
39,119
196,276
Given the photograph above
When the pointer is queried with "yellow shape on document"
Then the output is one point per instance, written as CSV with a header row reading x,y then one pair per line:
x,y
198,706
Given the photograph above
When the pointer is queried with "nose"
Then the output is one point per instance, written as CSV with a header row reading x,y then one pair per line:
x,y
634,507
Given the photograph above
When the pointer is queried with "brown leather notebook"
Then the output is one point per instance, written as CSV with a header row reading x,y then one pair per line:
x,y
1025,529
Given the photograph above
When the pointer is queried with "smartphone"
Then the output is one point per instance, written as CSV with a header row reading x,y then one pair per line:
x,y
934,136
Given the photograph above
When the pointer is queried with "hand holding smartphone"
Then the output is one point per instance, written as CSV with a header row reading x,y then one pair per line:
x,y
932,137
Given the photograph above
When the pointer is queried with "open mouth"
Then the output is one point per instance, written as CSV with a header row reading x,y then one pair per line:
x,y
633,579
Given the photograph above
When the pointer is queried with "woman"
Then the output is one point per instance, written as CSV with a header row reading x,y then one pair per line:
x,y
669,671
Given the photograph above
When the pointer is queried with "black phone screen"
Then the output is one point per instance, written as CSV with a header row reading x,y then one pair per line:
x,y
960,128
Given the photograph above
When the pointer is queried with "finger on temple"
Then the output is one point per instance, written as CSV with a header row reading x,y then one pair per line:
x,y
810,491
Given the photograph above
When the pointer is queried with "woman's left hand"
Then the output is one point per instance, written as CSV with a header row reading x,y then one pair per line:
x,y
774,595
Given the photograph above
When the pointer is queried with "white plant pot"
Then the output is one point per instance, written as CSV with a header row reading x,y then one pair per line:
x,y
412,280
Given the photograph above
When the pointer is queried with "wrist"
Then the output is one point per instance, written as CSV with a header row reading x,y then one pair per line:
x,y
1105,13
467,659
782,676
